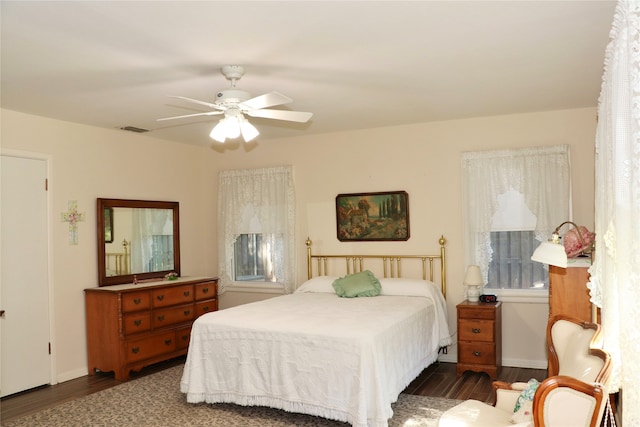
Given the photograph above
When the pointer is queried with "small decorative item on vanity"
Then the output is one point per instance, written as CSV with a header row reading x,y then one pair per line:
x,y
473,281
171,276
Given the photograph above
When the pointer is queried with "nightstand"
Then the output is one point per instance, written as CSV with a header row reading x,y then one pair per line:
x,y
479,337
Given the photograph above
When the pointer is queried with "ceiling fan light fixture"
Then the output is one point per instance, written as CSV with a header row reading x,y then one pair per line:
x,y
234,103
232,127
219,132
249,131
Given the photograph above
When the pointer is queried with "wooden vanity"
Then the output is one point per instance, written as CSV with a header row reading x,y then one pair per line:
x,y
131,326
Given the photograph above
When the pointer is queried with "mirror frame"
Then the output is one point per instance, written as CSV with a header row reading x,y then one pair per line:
x,y
103,279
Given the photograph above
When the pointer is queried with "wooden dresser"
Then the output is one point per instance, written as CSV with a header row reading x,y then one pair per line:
x,y
479,337
132,326
568,292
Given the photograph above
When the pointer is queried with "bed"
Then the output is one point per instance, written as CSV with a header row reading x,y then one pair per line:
x,y
317,353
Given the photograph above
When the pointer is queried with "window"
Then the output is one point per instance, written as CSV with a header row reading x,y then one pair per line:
x,y
256,229
254,258
511,266
513,200
249,257
513,241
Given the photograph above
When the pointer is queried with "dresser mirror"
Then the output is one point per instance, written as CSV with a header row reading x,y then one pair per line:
x,y
138,240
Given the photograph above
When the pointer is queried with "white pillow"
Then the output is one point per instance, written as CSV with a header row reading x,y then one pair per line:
x,y
318,284
407,287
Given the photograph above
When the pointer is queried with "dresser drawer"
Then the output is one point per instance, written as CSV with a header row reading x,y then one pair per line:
x,y
150,347
475,313
206,290
137,322
479,353
172,295
172,316
476,330
203,307
136,301
182,337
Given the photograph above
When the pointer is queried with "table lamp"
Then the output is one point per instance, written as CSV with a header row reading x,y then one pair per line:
x,y
473,280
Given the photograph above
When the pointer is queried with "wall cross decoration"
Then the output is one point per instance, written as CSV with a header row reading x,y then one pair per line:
x,y
72,216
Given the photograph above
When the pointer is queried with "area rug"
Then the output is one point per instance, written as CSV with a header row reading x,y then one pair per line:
x,y
156,401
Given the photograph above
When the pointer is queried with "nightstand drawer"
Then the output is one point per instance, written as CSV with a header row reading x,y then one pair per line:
x,y
476,313
477,330
478,353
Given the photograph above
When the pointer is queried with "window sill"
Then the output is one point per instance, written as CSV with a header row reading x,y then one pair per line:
x,y
256,287
522,296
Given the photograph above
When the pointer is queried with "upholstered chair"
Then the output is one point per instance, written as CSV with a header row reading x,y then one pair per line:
x,y
574,394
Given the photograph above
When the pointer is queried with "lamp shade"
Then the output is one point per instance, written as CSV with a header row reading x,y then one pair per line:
x,y
232,126
550,253
473,276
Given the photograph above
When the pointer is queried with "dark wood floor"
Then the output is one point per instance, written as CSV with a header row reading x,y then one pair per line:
x,y
438,380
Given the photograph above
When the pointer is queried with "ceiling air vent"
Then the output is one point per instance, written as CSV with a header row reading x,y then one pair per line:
x,y
134,129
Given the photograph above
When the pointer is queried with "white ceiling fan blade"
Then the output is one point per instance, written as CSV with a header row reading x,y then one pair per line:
x,y
195,101
209,113
292,116
270,99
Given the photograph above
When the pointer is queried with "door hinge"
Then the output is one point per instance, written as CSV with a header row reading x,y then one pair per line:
x,y
46,184
49,348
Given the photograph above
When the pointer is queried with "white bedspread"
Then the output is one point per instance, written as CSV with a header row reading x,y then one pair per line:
x,y
340,358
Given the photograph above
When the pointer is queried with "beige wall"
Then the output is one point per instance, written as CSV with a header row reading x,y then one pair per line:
x,y
87,163
422,159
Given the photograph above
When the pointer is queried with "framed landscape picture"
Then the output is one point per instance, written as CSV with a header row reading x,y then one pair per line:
x,y
373,216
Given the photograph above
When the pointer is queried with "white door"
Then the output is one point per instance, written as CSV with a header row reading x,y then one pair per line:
x,y
24,290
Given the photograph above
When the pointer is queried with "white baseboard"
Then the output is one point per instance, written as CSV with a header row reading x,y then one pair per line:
x,y
452,357
72,375
448,358
525,363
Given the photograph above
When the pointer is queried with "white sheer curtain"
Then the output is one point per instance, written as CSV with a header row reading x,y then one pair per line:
x,y
541,174
269,193
147,223
615,273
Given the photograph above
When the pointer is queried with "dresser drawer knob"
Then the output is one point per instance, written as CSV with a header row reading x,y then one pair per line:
x,y
167,341
205,290
476,353
136,300
187,312
205,309
186,293
137,322
185,338
475,330
160,297
135,350
161,317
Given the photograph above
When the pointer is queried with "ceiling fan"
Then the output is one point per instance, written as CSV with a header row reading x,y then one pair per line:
x,y
234,103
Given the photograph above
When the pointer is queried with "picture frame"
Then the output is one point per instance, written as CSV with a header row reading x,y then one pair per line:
x,y
379,216
108,225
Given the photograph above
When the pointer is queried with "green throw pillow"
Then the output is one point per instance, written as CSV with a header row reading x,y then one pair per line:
x,y
363,284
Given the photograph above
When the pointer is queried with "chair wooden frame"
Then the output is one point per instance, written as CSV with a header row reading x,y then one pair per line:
x,y
554,381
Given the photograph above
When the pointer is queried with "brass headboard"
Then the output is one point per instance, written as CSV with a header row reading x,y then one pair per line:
x,y
391,264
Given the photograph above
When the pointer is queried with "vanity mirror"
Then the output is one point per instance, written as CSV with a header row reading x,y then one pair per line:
x,y
138,238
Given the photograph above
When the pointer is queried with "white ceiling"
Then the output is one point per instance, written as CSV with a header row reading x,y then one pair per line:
x,y
355,65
